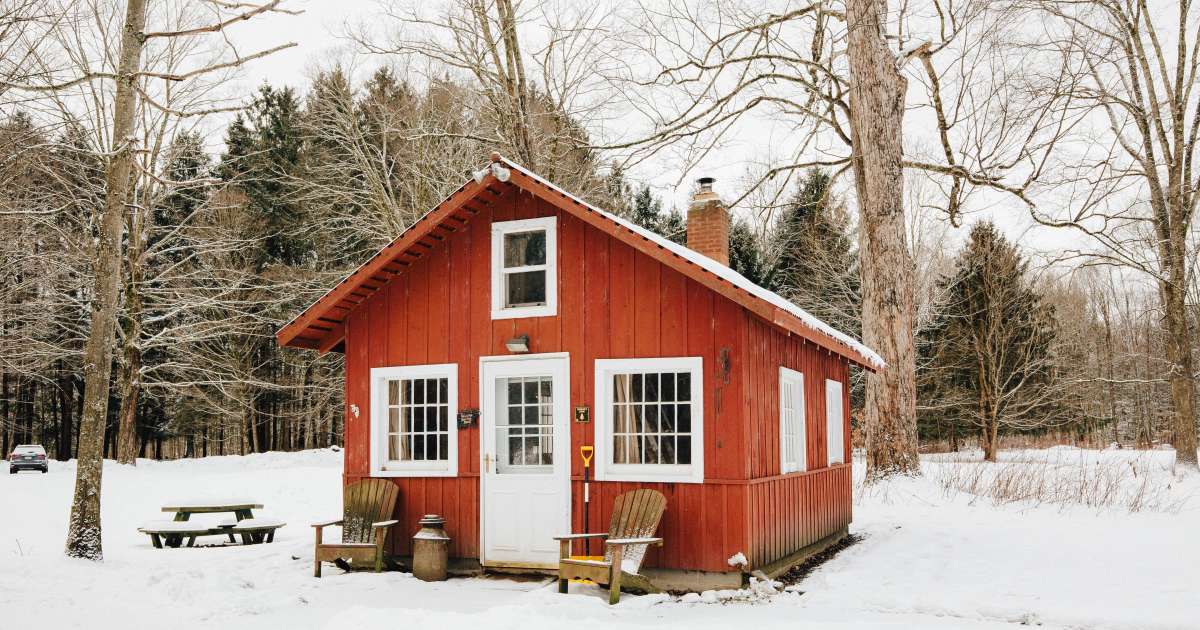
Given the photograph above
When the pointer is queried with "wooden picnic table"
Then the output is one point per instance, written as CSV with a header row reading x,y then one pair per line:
x,y
177,530
240,510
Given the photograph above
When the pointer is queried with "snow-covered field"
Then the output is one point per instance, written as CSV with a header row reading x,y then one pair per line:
x,y
1043,538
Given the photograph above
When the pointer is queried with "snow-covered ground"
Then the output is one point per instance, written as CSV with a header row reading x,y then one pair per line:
x,y
1043,538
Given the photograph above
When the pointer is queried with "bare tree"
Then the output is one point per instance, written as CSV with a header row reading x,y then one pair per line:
x,y
838,74
530,67
1126,174
877,101
22,22
83,537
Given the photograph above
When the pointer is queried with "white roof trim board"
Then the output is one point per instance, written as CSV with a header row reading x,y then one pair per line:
x,y
704,262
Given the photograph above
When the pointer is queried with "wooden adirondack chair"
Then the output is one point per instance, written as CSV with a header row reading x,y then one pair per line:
x,y
634,520
366,505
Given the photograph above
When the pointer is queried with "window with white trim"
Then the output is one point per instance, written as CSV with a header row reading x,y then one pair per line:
x,y
650,419
413,413
524,274
792,456
835,425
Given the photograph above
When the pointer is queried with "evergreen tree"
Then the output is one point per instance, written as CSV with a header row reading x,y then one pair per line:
x,y
673,227
647,210
263,151
815,262
746,253
643,209
187,163
171,264
989,356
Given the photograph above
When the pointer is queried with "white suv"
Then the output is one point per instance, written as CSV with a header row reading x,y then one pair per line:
x,y
28,457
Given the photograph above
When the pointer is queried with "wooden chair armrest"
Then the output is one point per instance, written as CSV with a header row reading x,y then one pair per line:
x,y
383,524
579,536
327,523
634,541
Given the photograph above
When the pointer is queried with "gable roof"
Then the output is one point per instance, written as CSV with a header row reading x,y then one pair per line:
x,y
322,325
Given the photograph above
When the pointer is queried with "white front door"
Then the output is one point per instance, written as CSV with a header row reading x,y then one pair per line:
x,y
525,494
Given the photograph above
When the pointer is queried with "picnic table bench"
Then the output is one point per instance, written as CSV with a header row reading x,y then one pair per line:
x,y
251,530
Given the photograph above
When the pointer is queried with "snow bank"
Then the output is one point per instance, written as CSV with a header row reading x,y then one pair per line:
x,y
928,559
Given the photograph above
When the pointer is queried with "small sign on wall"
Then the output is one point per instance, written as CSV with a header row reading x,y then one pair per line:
x,y
467,418
582,414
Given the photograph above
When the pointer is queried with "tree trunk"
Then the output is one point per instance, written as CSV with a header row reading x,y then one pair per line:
x,y
130,382
6,425
877,92
83,536
1110,359
66,400
991,435
130,389
1179,354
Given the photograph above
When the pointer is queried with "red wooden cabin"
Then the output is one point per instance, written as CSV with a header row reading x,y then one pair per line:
x,y
514,323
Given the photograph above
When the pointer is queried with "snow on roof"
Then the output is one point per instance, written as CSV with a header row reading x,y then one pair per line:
x,y
706,263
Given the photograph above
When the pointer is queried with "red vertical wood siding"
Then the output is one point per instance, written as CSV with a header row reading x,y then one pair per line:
x,y
613,302
792,511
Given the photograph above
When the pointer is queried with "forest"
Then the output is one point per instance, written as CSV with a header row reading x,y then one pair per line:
x,y
240,210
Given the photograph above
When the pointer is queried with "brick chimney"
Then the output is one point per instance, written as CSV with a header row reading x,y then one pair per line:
x,y
708,223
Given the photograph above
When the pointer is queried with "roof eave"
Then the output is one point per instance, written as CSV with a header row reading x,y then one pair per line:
x,y
287,334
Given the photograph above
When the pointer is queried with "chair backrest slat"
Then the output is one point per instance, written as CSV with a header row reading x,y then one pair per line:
x,y
636,514
365,502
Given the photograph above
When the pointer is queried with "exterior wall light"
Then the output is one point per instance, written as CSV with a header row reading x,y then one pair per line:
x,y
518,344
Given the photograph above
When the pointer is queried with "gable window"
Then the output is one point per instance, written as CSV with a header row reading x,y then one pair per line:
x,y
792,455
524,275
834,423
413,411
650,420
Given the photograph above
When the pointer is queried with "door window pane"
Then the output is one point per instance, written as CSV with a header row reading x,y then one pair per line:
x,y
526,440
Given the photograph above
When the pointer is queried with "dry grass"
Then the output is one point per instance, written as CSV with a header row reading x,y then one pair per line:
x,y
1133,482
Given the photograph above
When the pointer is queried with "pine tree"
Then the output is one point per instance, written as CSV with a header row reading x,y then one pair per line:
x,y
989,356
263,152
816,265
647,210
673,227
746,253
643,209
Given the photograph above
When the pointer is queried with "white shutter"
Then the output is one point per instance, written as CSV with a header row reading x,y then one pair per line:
x,y
834,422
792,456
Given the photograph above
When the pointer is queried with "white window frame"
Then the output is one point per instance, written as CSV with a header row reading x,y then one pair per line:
x,y
789,378
380,466
835,425
606,470
499,230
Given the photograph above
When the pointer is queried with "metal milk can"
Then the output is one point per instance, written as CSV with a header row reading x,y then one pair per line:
x,y
431,549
